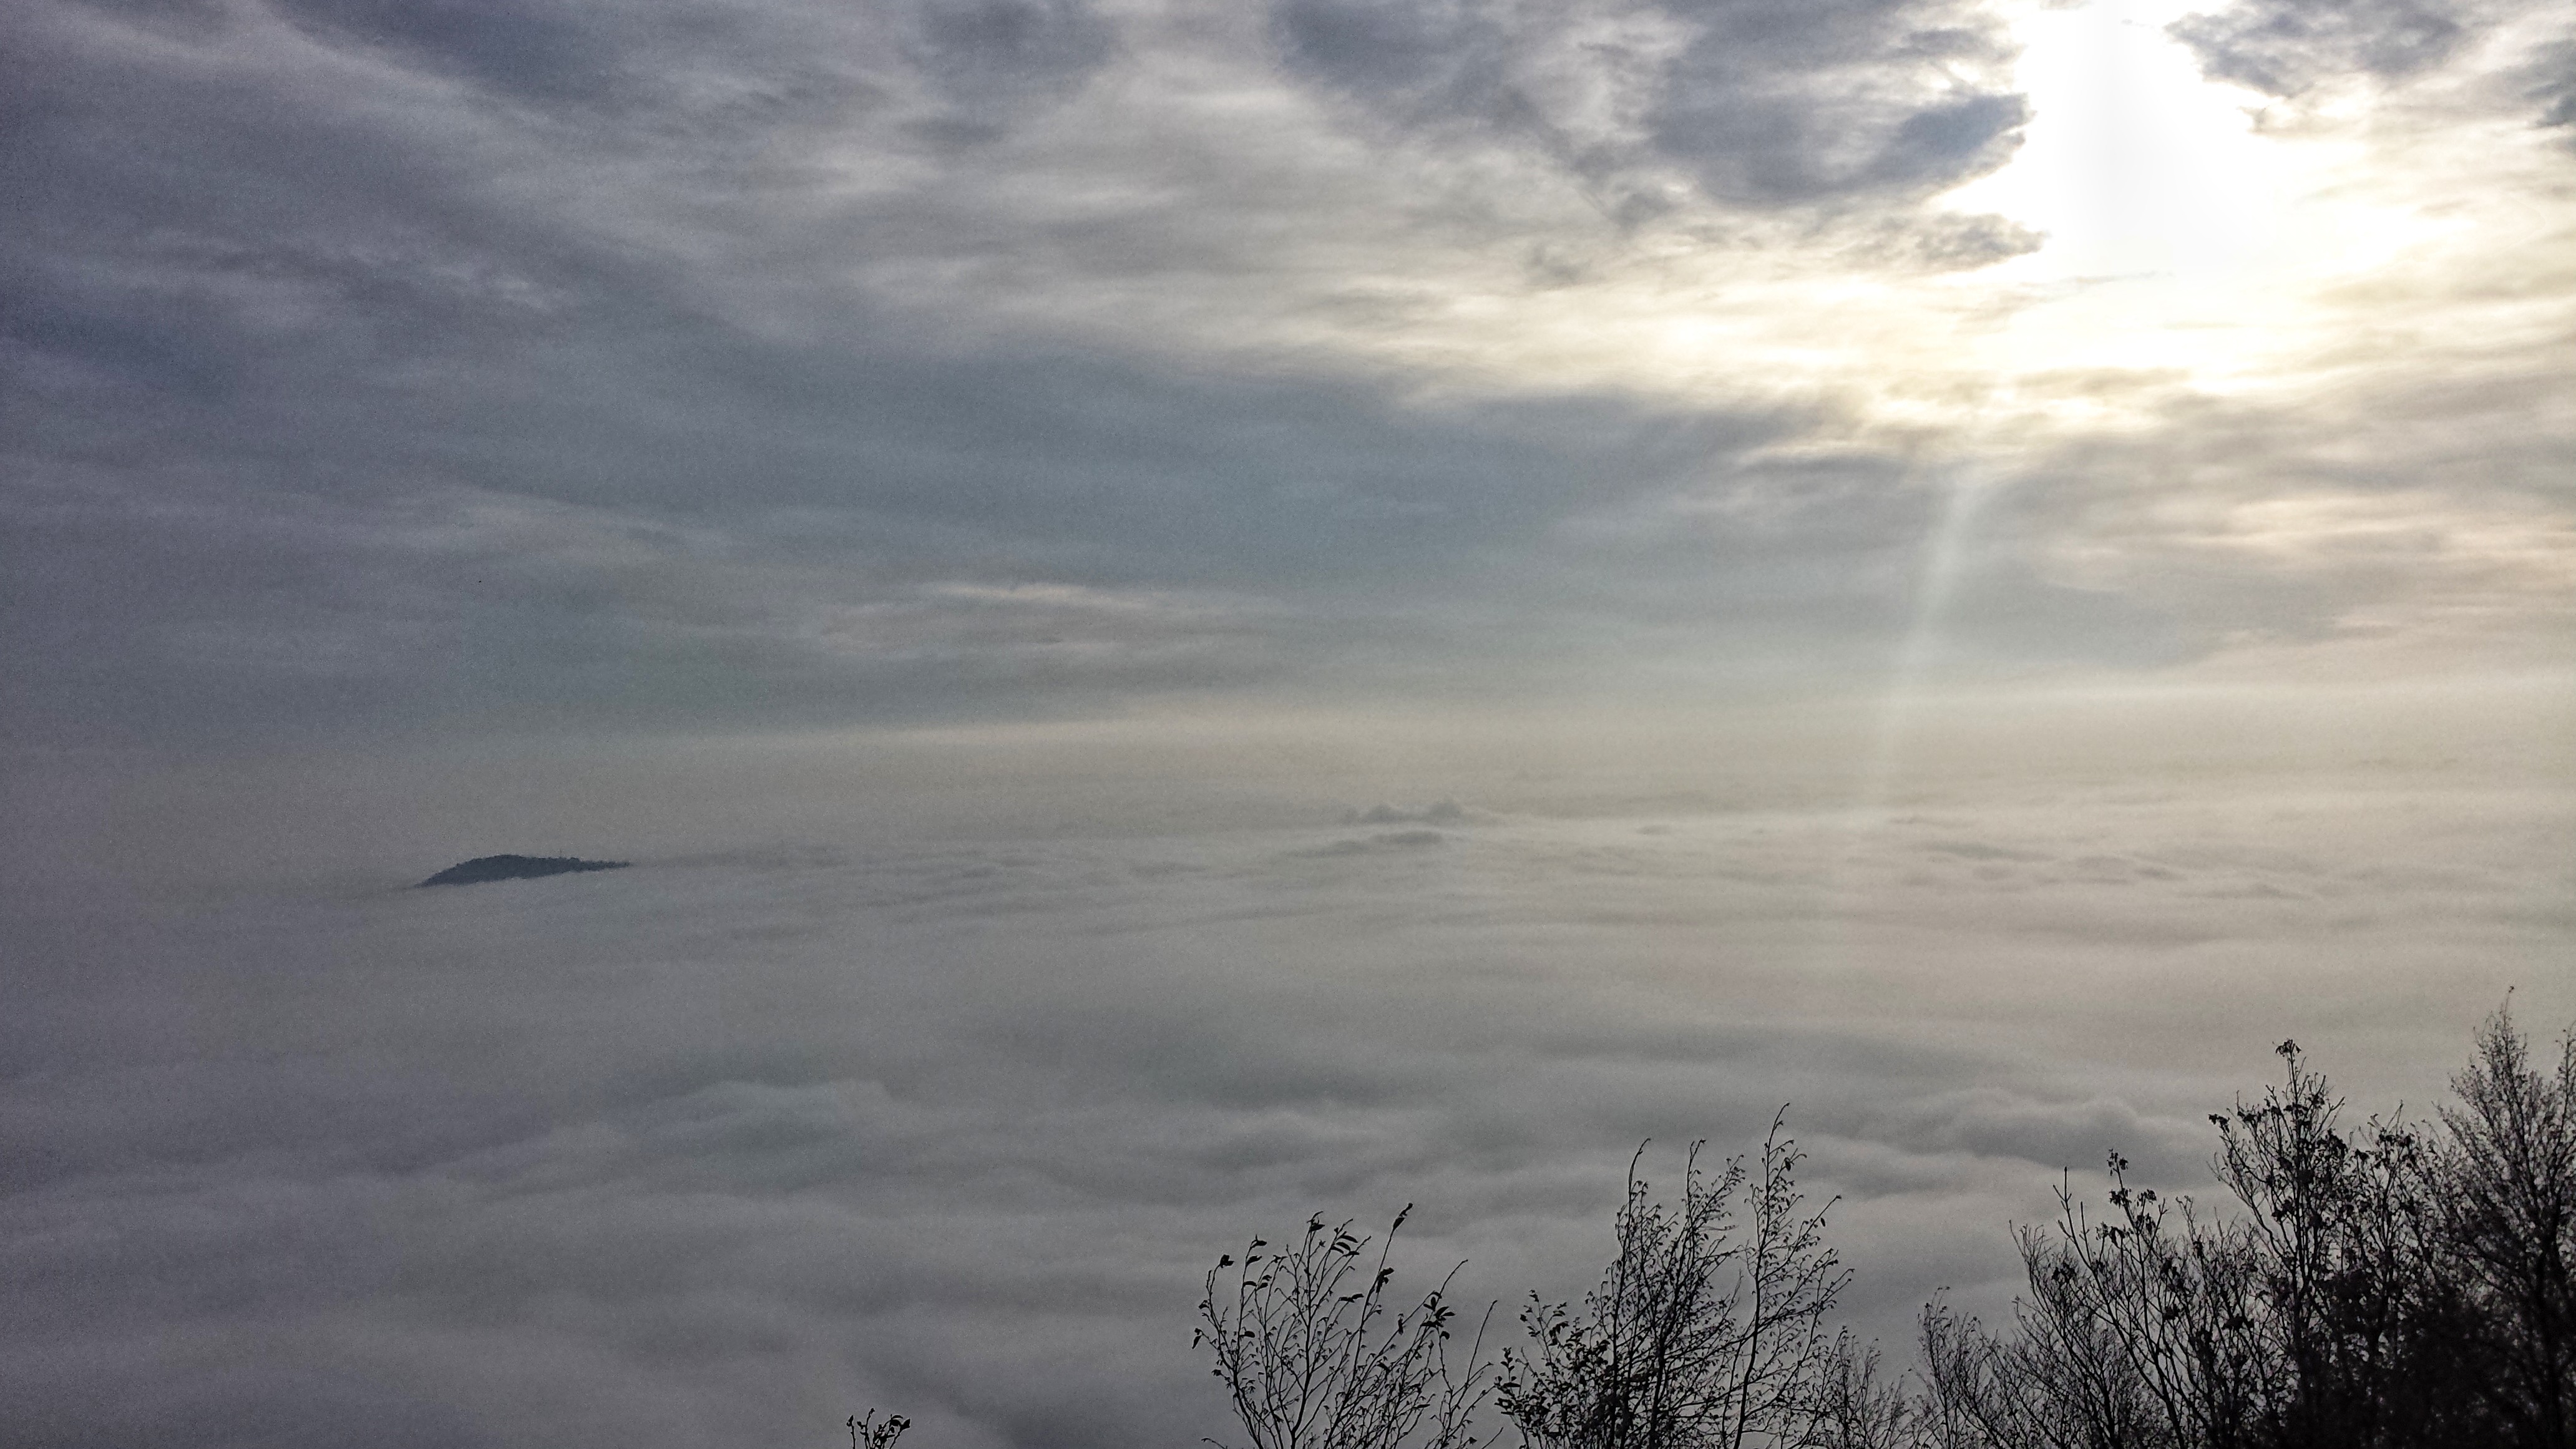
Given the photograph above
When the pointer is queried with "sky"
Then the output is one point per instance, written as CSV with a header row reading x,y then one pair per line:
x,y
1193,613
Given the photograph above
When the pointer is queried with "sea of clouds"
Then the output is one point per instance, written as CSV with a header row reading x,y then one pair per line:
x,y
941,1098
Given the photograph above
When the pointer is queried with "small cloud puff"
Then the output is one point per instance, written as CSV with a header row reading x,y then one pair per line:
x,y
1438,812
1384,841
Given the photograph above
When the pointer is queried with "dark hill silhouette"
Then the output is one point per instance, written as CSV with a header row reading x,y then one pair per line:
x,y
515,867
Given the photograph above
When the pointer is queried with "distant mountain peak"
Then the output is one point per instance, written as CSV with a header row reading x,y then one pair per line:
x,y
515,867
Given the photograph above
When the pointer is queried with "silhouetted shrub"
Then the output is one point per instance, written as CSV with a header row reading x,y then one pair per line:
x,y
1311,1362
2504,1221
867,1433
2390,1286
1706,1330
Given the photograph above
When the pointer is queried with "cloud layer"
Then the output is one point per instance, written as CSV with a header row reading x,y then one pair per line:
x,y
501,366
729,1145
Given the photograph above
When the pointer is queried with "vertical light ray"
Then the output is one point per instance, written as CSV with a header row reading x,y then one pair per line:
x,y
2151,192
1964,489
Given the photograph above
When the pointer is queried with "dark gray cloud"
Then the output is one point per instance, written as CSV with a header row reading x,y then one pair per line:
x,y
435,451
2285,47
890,559
1756,103
441,453
434,368
2555,85
1008,53
688,72
541,54
445,449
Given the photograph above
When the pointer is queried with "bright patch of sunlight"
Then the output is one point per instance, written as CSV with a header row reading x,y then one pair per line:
x,y
2132,163
2179,236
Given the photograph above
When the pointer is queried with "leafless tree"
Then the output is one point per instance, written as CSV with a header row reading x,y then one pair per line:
x,y
867,1433
2398,1285
2508,1201
1857,1407
1706,1331
2393,1286
1312,1356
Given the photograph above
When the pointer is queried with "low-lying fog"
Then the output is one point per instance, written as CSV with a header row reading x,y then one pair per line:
x,y
929,1073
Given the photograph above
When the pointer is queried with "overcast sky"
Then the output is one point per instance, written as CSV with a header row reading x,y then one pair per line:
x,y
1968,565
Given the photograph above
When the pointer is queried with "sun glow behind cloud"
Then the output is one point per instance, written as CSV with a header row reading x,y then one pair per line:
x,y
2160,206
2193,236
2133,163
2192,226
